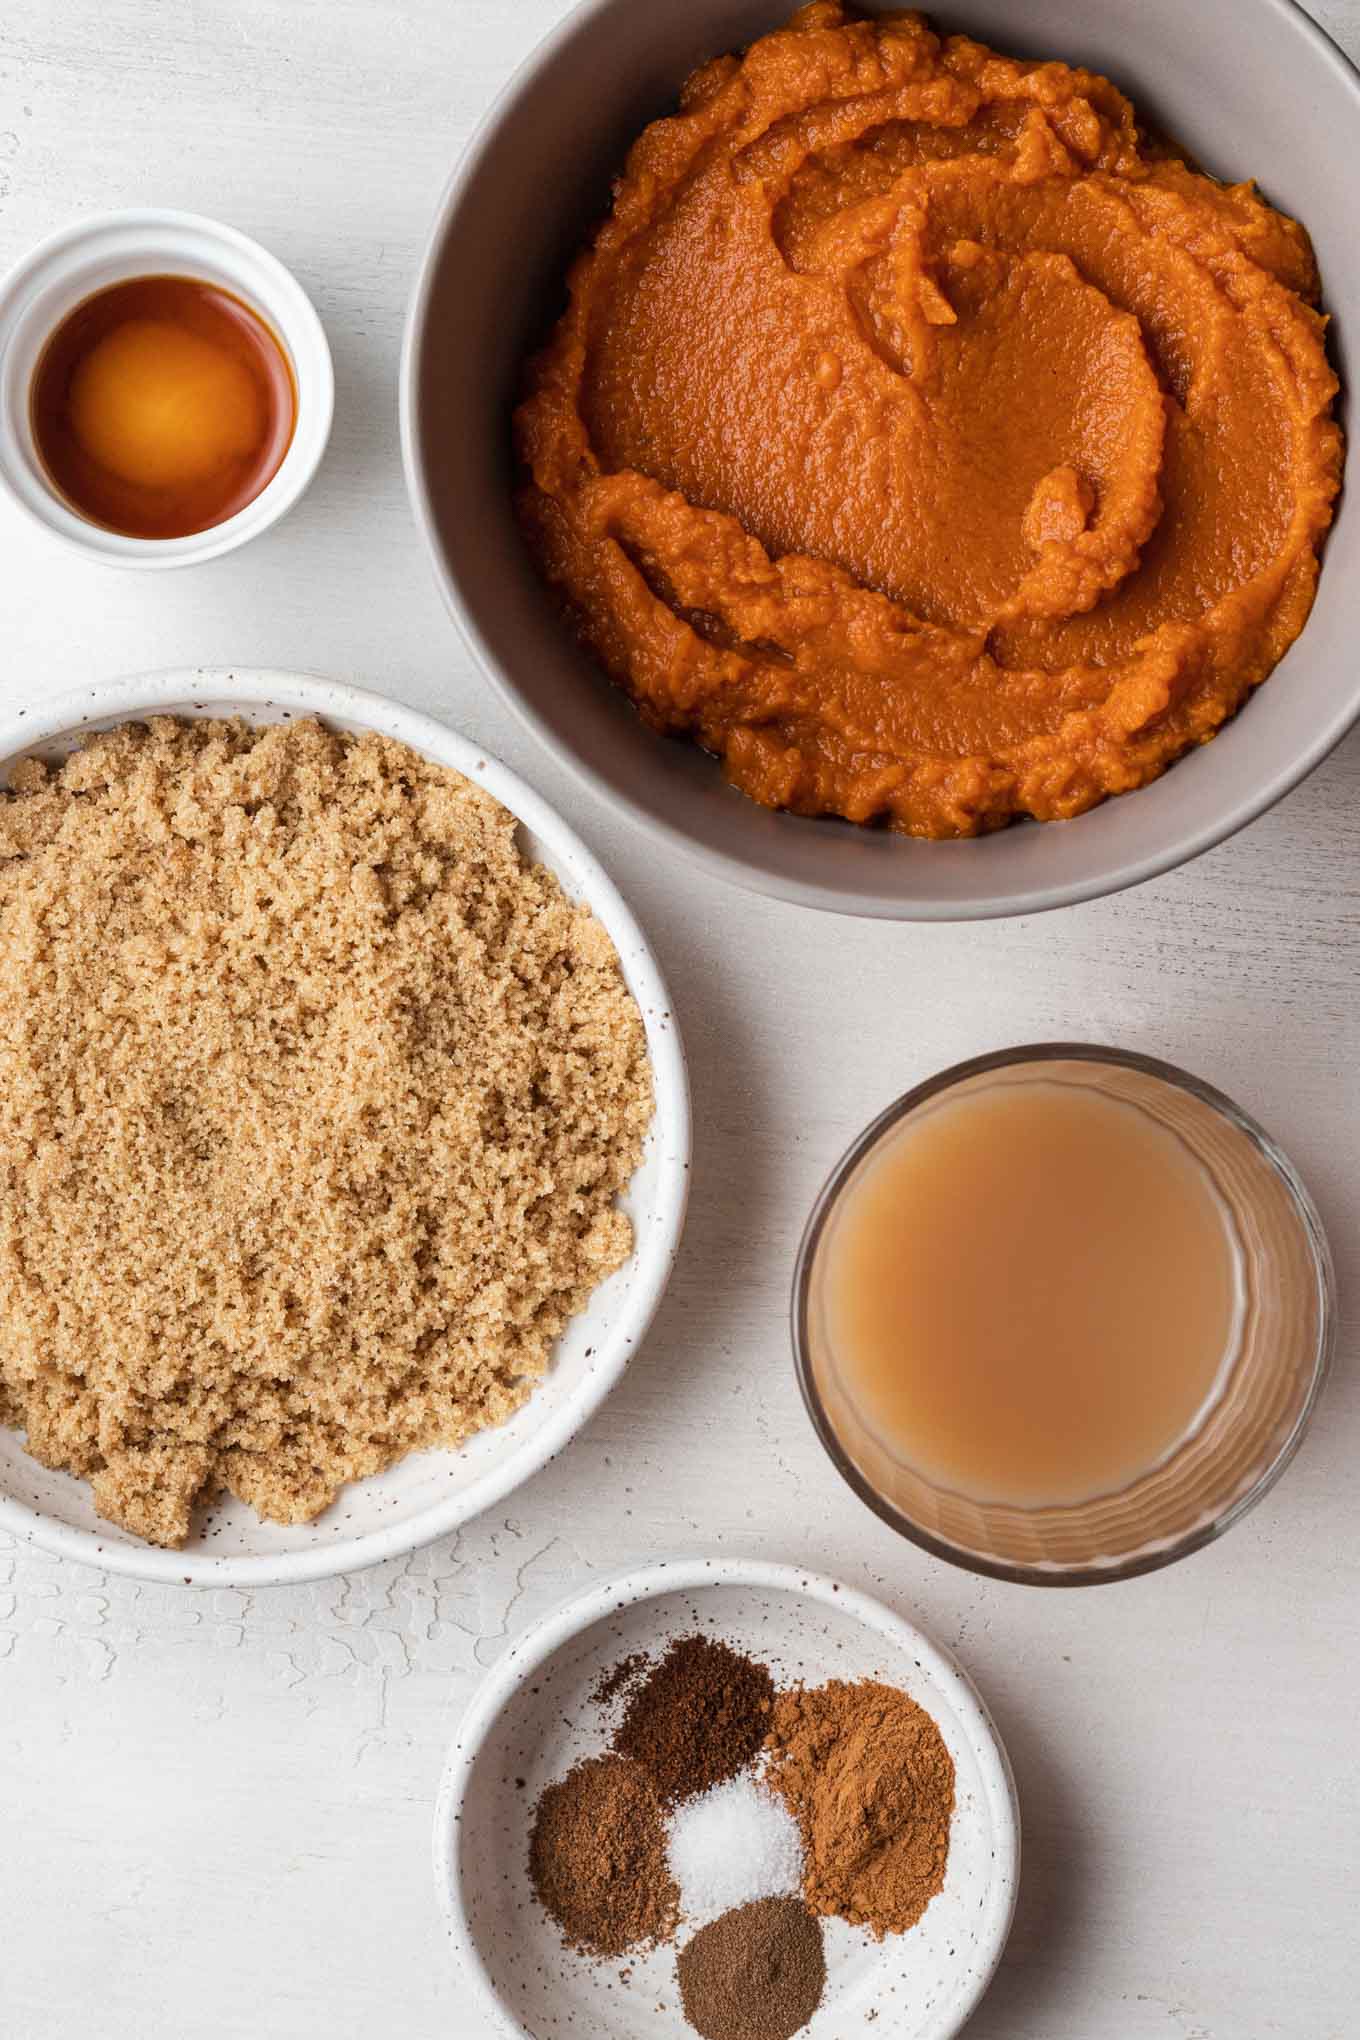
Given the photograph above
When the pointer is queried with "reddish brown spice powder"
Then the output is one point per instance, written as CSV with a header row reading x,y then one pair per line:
x,y
866,1773
614,1678
697,1718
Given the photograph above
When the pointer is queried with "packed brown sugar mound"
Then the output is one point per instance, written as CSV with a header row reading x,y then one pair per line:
x,y
315,1101
923,440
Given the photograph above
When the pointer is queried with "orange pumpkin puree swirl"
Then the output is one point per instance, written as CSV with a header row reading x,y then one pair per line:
x,y
925,442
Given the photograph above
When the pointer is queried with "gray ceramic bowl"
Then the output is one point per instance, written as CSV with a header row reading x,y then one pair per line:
x,y
1251,87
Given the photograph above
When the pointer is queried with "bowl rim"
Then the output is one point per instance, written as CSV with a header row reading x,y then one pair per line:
x,y
137,695
286,309
531,1649
733,868
1146,1559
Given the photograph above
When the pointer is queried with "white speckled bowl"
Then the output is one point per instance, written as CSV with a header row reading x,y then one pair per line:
x,y
533,1717
430,1493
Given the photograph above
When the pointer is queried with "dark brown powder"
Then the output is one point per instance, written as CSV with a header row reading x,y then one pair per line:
x,y
755,1974
597,1858
612,1681
866,1773
698,1718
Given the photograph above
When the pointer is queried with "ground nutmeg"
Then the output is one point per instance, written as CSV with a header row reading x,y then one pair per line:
x,y
597,1858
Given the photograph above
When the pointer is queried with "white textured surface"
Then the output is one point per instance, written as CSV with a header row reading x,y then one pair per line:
x,y
214,1810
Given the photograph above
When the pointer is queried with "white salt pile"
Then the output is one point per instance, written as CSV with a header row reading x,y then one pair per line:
x,y
733,1844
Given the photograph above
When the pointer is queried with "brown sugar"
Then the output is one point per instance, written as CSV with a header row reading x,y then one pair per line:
x,y
315,1102
699,1717
597,1858
866,1773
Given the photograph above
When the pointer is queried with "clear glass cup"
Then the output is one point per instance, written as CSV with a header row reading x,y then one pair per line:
x,y
1250,1432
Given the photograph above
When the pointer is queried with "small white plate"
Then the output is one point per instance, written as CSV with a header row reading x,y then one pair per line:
x,y
92,254
533,1717
429,1493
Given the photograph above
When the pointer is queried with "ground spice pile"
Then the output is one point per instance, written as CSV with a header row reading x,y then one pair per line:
x,y
615,1678
699,1717
755,1974
315,1100
719,1792
871,1783
597,1858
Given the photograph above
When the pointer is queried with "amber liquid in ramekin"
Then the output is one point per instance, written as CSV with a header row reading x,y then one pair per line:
x,y
161,406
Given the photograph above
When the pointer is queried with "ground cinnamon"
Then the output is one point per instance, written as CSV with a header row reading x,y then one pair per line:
x,y
867,1775
698,1718
597,1858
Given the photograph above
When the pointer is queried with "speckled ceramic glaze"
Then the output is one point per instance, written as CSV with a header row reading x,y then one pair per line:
x,y
534,1717
430,1493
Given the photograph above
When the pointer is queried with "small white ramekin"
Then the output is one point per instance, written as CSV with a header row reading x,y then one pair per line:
x,y
88,256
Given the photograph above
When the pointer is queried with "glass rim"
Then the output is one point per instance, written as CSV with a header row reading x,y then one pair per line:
x,y
1096,1572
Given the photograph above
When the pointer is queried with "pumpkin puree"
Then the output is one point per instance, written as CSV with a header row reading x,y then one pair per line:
x,y
924,441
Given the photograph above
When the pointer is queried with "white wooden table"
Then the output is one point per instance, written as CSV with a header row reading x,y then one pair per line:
x,y
214,1808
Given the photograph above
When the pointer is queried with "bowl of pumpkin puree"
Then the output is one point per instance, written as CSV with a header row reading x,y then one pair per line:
x,y
900,460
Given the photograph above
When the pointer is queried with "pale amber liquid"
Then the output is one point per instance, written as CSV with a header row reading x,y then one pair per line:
x,y
1031,1293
